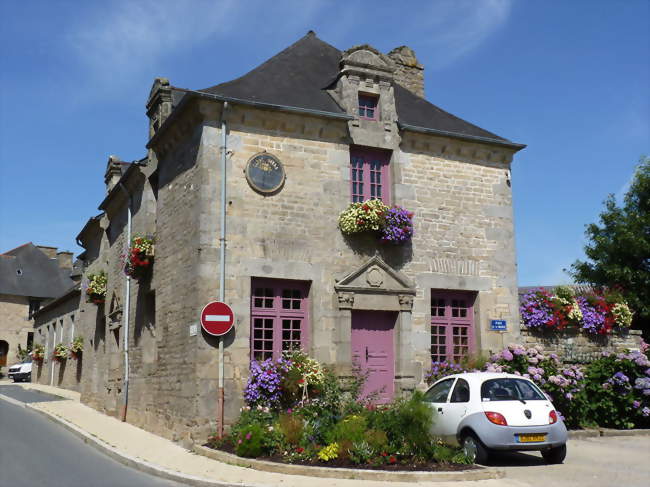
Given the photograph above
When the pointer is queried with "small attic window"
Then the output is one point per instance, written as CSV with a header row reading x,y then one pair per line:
x,y
368,106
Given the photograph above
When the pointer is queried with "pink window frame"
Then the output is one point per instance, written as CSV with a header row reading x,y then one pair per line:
x,y
375,108
279,314
363,163
456,322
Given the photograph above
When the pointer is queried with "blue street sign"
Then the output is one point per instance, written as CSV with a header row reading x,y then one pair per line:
x,y
498,325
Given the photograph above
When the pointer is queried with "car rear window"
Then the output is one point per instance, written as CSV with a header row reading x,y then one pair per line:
x,y
508,389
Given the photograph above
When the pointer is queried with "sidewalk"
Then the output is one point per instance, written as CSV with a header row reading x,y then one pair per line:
x,y
153,454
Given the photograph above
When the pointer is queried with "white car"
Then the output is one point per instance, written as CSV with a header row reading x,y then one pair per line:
x,y
482,411
22,371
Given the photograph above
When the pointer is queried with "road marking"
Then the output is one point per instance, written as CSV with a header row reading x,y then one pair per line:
x,y
217,318
13,401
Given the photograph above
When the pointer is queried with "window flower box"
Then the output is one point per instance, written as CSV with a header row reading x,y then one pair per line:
x,y
60,352
38,353
389,224
138,258
76,348
96,290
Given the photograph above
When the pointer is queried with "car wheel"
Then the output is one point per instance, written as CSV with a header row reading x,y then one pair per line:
x,y
474,449
554,455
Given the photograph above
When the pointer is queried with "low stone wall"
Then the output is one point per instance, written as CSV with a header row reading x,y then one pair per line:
x,y
574,346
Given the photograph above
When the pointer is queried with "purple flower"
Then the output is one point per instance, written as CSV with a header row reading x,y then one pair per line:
x,y
507,355
593,319
398,226
537,377
636,404
569,396
645,411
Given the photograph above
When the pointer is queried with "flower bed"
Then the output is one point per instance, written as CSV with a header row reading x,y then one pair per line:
x,y
138,259
592,313
96,290
389,224
299,412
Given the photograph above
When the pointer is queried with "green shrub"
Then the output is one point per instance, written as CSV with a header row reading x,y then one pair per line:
x,y
407,424
351,428
291,426
250,441
377,440
361,452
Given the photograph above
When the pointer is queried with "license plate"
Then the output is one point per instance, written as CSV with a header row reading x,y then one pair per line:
x,y
531,438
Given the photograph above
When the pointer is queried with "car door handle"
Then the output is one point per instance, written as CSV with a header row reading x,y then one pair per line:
x,y
440,410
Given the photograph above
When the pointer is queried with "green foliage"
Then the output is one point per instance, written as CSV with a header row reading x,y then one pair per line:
x,y
22,353
291,426
618,248
351,428
407,424
377,439
329,452
361,452
250,441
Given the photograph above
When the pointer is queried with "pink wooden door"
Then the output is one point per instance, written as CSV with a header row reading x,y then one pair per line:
x,y
373,352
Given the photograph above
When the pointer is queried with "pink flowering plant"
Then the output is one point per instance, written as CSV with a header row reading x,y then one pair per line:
x,y
443,369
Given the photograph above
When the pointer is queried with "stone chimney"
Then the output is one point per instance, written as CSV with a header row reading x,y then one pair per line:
x,y
409,73
113,172
49,251
159,104
65,259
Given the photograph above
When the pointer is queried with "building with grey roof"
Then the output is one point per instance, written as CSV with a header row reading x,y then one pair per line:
x,y
29,276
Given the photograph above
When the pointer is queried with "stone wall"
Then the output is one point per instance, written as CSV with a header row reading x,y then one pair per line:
x,y
14,325
573,346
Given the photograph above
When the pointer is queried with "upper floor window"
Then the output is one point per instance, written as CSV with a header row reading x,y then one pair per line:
x,y
369,175
368,107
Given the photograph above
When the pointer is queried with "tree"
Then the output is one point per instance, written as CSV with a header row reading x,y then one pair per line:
x,y
618,248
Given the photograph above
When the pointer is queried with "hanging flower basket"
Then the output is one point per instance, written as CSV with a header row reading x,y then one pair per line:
x,y
389,224
138,259
38,353
76,348
60,352
96,291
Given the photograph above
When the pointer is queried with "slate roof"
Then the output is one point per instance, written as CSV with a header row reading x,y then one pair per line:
x,y
299,76
27,271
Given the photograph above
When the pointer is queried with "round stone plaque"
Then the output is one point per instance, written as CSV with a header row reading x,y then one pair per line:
x,y
265,173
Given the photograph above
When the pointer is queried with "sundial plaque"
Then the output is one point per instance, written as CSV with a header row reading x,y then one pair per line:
x,y
264,173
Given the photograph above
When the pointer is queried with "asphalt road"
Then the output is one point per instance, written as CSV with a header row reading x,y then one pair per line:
x,y
35,451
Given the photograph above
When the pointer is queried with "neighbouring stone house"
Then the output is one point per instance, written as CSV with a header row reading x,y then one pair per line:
x,y
29,276
304,134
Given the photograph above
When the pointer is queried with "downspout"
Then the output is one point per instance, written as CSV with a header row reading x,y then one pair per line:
x,y
127,307
222,258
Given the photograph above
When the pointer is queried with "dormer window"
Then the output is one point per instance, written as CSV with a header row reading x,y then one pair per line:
x,y
368,106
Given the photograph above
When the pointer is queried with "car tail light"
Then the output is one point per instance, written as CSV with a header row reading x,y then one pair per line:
x,y
496,418
552,417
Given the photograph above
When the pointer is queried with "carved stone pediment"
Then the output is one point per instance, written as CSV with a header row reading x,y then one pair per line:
x,y
375,285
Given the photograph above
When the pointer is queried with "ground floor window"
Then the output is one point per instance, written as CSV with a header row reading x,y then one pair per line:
x,y
452,325
279,317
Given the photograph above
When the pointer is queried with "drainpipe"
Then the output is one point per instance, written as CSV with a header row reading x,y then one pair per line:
x,y
222,258
127,308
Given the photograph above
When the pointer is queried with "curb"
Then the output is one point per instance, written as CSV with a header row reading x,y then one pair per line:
x,y
597,433
134,462
480,473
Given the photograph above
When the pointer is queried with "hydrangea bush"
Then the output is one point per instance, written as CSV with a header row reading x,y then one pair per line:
x,y
391,224
593,313
612,391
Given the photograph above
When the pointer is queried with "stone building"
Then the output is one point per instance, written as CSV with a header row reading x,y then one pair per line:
x,y
29,276
304,134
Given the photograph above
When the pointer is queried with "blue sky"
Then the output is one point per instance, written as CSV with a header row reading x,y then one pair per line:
x,y
568,78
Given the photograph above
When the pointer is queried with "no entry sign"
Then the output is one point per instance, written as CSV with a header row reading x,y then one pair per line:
x,y
217,318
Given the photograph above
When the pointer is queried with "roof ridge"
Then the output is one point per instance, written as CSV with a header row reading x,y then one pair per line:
x,y
20,246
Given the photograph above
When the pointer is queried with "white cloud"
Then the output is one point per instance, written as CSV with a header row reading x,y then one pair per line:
x,y
457,27
131,36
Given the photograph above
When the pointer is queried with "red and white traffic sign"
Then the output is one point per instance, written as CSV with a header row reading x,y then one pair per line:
x,y
217,318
